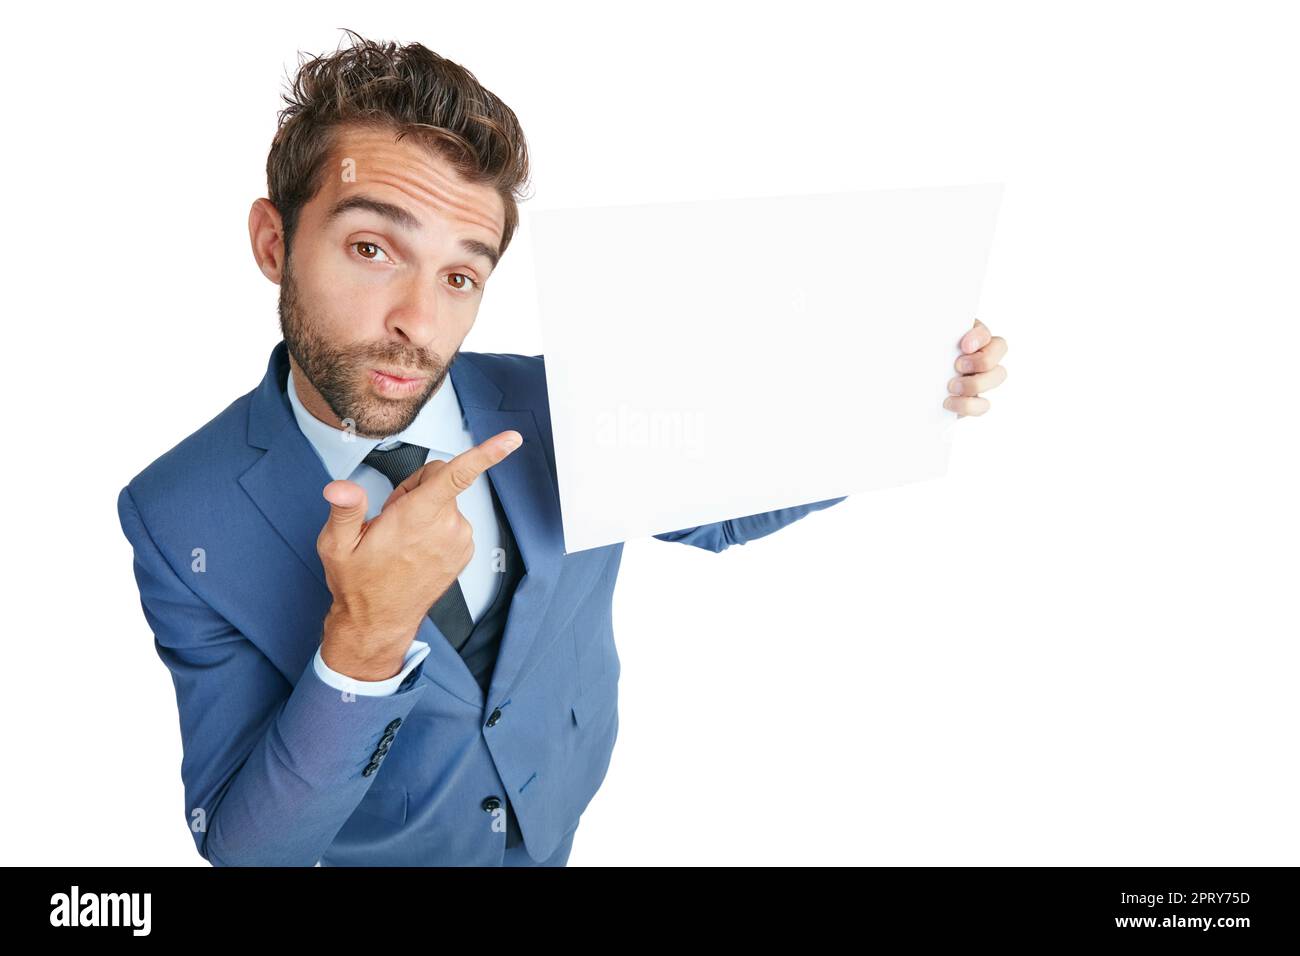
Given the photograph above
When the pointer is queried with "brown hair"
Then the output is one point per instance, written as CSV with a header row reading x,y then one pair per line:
x,y
410,90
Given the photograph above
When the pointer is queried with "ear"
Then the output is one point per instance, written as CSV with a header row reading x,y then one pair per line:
x,y
266,234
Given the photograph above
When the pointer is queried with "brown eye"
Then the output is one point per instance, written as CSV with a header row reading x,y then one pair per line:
x,y
462,275
369,256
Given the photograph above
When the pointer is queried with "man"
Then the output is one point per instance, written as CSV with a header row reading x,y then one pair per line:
x,y
381,657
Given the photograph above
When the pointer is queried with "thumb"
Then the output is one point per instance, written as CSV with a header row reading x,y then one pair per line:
x,y
347,507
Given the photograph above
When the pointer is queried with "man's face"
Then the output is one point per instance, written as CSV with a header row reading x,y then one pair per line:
x,y
386,274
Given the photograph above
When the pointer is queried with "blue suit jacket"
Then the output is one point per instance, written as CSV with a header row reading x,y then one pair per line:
x,y
279,768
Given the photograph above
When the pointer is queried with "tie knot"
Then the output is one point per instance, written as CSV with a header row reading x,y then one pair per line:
x,y
398,462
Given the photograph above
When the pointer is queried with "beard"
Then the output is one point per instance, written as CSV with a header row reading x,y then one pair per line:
x,y
341,373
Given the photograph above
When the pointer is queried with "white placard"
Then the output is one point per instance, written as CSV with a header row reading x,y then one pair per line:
x,y
715,359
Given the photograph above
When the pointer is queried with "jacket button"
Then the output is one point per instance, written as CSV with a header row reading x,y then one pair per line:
x,y
496,715
491,803
393,725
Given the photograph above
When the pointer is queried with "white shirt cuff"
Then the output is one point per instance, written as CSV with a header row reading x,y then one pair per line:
x,y
417,652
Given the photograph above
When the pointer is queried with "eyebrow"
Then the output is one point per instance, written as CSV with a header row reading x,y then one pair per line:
x,y
406,220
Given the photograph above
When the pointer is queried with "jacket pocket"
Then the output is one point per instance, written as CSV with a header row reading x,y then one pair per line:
x,y
594,702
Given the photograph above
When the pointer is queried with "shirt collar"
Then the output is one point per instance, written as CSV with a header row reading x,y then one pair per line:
x,y
440,426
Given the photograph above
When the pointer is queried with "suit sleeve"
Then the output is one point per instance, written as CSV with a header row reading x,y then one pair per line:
x,y
723,534
271,771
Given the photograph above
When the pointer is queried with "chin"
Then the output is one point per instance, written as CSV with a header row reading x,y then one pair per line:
x,y
385,416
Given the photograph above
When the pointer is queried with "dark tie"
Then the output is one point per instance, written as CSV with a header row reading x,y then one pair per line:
x,y
450,612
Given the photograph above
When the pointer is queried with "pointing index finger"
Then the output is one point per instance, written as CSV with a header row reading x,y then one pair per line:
x,y
461,471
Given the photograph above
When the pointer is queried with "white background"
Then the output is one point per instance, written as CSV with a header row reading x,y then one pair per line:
x,y
1078,648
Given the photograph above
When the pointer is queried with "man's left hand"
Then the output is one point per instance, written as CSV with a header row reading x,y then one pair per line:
x,y
978,371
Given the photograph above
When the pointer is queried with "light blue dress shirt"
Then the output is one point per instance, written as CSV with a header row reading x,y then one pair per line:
x,y
440,426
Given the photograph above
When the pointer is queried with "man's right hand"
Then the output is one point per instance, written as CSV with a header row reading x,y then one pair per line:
x,y
386,573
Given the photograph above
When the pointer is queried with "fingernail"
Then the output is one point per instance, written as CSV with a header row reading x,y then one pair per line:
x,y
510,444
955,386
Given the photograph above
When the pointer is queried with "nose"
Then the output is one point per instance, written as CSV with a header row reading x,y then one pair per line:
x,y
414,317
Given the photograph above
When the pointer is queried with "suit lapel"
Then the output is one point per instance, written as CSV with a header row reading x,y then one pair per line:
x,y
528,495
286,484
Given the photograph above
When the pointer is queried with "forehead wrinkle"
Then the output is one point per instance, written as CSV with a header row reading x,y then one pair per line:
x,y
385,160
440,192
439,195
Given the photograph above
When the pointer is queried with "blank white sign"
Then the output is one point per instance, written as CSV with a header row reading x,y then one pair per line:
x,y
710,360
